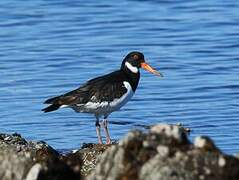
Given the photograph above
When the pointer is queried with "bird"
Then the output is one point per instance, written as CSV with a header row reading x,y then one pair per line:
x,y
104,94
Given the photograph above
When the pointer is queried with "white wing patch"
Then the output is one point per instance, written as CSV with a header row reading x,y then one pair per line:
x,y
64,106
107,107
96,105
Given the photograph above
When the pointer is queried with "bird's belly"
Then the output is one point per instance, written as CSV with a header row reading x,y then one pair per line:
x,y
105,107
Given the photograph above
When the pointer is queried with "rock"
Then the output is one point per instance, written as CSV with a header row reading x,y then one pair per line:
x,y
34,172
205,143
20,159
38,150
14,166
83,161
165,153
56,169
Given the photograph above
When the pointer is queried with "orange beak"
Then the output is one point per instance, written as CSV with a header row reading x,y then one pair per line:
x,y
150,69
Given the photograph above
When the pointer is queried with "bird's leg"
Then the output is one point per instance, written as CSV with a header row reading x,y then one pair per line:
x,y
105,126
97,126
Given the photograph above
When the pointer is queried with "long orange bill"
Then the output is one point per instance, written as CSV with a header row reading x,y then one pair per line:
x,y
150,69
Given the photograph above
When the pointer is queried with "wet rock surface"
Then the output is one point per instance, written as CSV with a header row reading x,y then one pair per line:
x,y
164,152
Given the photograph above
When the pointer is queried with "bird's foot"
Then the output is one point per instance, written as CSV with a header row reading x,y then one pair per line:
x,y
108,141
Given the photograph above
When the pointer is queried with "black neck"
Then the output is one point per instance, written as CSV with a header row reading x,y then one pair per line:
x,y
132,78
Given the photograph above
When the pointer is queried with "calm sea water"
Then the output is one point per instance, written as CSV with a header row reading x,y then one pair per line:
x,y
50,47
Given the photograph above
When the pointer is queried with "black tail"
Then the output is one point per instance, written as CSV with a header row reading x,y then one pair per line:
x,y
50,108
51,100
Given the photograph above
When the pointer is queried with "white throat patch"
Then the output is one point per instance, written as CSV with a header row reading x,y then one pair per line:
x,y
131,68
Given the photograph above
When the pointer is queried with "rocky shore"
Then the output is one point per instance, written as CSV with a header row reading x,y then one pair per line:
x,y
164,152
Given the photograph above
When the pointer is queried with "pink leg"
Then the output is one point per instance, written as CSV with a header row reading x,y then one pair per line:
x,y
105,126
97,126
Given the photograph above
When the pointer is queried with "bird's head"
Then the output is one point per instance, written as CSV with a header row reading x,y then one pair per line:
x,y
134,61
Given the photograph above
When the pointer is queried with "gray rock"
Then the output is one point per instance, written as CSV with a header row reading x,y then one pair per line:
x,y
84,160
20,160
14,166
165,153
34,172
29,160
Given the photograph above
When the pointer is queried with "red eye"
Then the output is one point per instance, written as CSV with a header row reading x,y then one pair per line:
x,y
136,57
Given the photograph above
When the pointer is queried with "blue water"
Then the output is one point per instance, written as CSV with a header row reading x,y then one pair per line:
x,y
50,47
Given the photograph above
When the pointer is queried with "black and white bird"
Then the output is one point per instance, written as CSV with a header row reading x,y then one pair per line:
x,y
105,94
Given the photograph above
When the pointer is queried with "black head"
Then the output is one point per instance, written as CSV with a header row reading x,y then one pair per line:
x,y
134,61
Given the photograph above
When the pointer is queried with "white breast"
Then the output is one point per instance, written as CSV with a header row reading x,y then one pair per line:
x,y
107,107
118,103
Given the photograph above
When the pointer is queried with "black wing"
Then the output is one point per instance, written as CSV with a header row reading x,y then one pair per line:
x,y
104,88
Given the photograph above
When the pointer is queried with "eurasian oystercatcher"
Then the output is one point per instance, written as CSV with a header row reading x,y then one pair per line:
x,y
105,94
